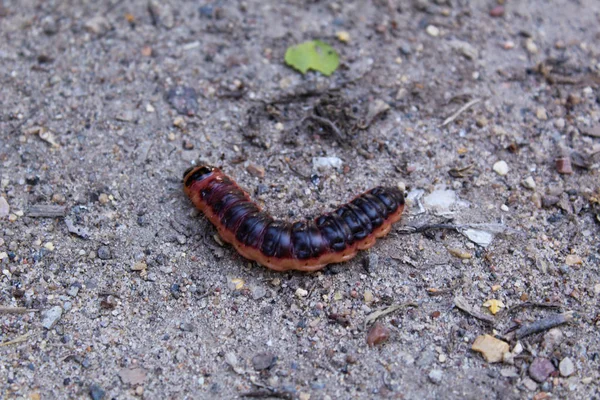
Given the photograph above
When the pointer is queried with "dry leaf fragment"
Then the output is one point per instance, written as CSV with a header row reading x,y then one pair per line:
x,y
494,305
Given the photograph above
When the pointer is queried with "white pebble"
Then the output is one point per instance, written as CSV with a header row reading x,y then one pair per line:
x,y
501,168
4,207
301,292
432,30
529,183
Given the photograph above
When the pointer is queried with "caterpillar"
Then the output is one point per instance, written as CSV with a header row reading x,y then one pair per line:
x,y
302,245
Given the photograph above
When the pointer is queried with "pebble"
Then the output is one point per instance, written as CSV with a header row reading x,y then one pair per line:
x,y
573,259
132,376
566,367
482,122
531,46
321,163
96,392
441,200
262,361
470,52
301,292
256,170
501,168
97,25
529,183
377,334
432,30
491,348
49,246
4,207
368,296
104,253
541,114
540,369
103,198
559,123
161,13
139,266
497,11
529,384
343,36
549,201
183,99
435,376
258,292
564,166
51,316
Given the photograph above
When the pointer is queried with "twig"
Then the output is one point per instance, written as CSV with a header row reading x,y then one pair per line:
x,y
46,211
374,316
440,292
544,324
16,340
460,111
327,122
526,305
259,394
462,304
16,310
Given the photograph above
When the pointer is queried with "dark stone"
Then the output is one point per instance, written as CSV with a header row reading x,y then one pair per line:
x,y
96,392
104,253
183,99
540,369
263,361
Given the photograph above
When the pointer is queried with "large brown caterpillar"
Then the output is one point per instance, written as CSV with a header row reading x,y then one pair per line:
x,y
302,245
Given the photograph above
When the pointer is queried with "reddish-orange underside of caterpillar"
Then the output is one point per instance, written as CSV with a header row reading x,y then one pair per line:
x,y
303,245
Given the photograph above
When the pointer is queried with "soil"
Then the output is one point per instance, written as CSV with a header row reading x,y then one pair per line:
x,y
113,286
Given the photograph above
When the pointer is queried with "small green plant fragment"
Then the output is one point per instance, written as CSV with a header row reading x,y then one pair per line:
x,y
314,55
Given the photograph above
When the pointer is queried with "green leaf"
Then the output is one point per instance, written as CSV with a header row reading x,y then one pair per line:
x,y
314,55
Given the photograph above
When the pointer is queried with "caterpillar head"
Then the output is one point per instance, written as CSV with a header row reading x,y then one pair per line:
x,y
197,173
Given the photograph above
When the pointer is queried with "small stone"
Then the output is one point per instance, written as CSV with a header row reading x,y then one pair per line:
x,y
563,165
262,361
188,145
529,183
432,30
343,36
368,296
4,207
559,123
97,25
104,253
256,170
531,46
103,198
497,11
279,126
139,266
258,292
540,369
132,376
58,198
482,122
440,200
435,376
501,168
377,334
51,316
161,13
467,50
504,207
566,367
125,116
510,372
549,201
573,259
529,384
491,348
322,163
536,199
183,99
541,114
301,292
96,392
150,108
49,246
304,396
171,137
597,289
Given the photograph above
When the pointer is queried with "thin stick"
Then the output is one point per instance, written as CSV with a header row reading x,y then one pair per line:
x,y
460,111
544,324
16,310
462,304
330,124
16,340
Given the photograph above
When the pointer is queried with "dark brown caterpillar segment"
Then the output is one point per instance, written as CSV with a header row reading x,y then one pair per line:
x,y
302,245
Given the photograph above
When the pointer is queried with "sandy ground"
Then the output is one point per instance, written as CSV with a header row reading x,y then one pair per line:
x,y
113,286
